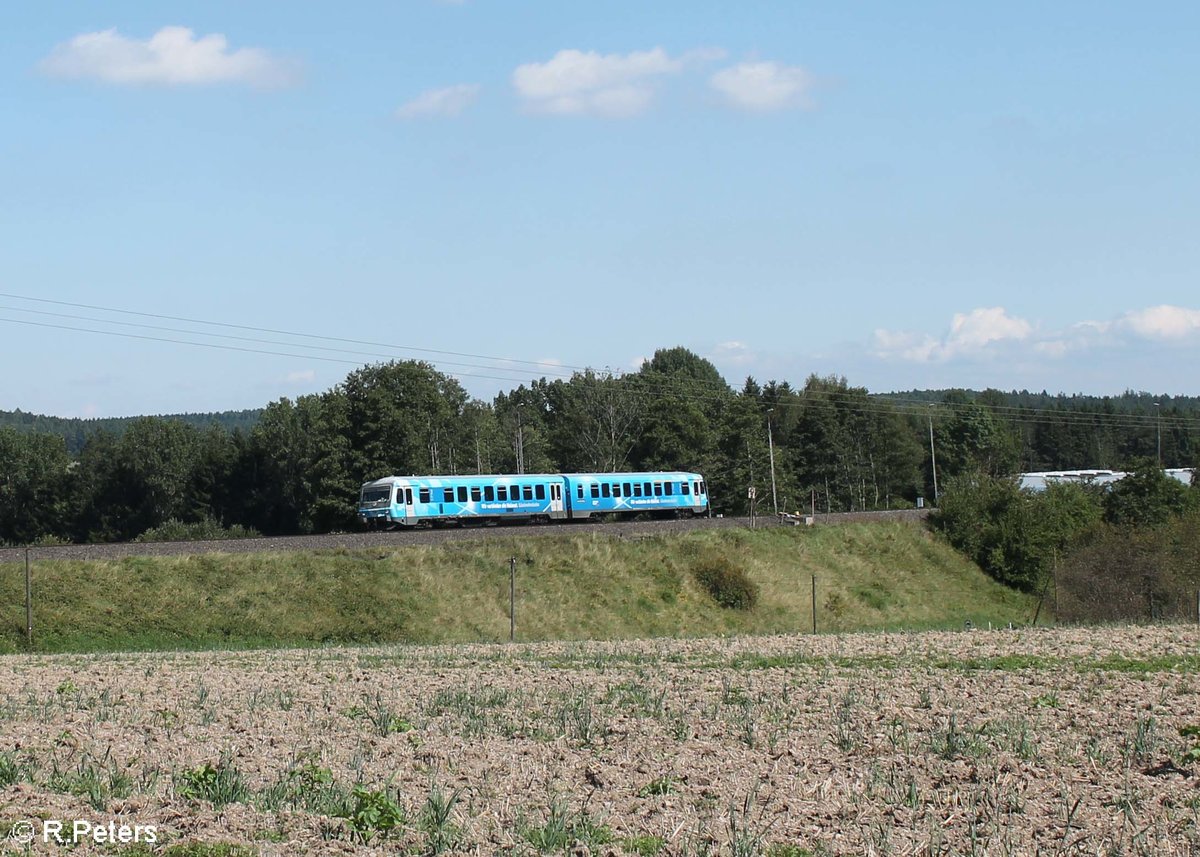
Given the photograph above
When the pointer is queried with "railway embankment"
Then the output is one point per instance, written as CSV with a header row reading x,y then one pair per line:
x,y
567,583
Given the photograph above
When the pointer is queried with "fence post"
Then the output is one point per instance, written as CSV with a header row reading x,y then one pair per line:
x,y
28,602
512,599
814,602
1054,571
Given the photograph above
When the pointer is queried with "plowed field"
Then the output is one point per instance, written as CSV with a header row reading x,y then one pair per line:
x,y
977,742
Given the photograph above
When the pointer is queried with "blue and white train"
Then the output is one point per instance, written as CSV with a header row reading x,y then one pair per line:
x,y
410,501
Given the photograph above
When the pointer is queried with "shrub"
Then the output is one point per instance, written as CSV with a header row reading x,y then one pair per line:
x,y
175,530
727,583
1146,497
1014,535
1133,573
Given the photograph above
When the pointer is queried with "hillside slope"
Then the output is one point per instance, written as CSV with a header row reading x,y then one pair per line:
x,y
569,587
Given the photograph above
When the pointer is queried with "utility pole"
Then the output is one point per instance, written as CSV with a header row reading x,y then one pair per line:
x,y
933,458
1158,421
752,494
771,448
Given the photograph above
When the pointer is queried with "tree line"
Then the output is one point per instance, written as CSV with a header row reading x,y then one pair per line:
x,y
298,467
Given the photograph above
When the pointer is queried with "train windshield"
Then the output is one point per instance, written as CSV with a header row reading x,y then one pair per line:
x,y
375,495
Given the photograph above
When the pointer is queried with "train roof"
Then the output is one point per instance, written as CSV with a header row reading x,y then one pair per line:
x,y
473,477
640,474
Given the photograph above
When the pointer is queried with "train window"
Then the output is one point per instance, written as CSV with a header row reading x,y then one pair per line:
x,y
605,490
684,488
703,488
579,491
423,495
658,492
502,492
697,486
616,489
408,496
447,495
527,490
595,491
489,493
628,490
669,488
476,494
539,491
462,493
637,489
646,488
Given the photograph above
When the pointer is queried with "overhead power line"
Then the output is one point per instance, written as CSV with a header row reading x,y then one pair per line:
x,y
254,329
234,337
694,390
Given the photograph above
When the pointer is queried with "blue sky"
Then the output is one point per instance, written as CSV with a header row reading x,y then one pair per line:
x,y
911,195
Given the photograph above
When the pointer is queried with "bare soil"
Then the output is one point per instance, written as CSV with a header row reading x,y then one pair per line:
x,y
976,742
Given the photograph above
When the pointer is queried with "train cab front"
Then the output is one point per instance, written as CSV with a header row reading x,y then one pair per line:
x,y
375,506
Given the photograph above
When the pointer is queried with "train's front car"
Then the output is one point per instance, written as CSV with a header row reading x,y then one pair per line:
x,y
378,508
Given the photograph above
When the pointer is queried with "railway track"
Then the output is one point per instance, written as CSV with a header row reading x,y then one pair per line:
x,y
400,538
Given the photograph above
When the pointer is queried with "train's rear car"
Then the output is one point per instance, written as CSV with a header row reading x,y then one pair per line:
x,y
677,494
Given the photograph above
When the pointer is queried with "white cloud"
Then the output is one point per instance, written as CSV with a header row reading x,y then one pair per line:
x,y
974,330
763,86
970,333
1162,322
172,56
733,353
302,376
579,83
1052,347
914,347
447,101
992,331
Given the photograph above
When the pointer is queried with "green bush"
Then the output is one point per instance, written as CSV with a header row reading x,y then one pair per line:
x,y
1147,497
175,530
727,583
1014,535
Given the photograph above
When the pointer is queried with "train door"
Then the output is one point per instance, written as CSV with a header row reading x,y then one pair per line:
x,y
556,499
404,497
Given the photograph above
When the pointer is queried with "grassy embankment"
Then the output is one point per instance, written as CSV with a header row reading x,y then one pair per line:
x,y
578,586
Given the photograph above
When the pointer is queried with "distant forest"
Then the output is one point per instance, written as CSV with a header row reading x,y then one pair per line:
x,y
75,430
296,465
1129,402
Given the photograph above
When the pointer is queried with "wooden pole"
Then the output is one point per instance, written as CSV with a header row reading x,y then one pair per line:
x,y
28,602
814,602
1054,571
512,599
